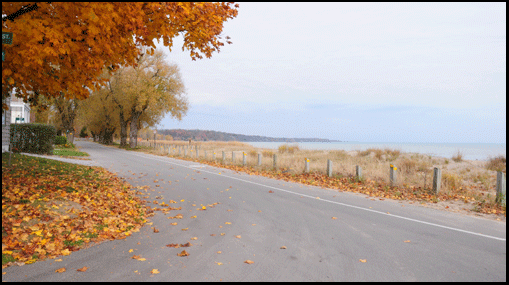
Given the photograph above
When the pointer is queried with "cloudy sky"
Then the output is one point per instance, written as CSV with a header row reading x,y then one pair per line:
x,y
366,72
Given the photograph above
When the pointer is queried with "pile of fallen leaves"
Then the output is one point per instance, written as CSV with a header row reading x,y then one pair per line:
x,y
51,208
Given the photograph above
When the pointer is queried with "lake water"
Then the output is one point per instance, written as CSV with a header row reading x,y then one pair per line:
x,y
470,151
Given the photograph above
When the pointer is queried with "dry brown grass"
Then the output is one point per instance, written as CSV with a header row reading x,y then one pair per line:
x,y
468,178
497,164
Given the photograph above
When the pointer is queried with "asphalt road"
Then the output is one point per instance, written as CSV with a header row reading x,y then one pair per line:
x,y
443,246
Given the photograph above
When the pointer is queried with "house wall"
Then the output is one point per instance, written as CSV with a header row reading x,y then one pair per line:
x,y
6,126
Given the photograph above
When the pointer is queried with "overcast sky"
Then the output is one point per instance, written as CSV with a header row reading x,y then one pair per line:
x,y
366,72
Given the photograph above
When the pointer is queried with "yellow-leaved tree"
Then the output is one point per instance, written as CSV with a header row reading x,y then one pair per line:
x,y
64,46
146,93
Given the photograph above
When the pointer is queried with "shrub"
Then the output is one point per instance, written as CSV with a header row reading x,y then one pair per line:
x,y
497,164
293,148
267,153
83,132
458,157
33,138
253,153
61,140
283,148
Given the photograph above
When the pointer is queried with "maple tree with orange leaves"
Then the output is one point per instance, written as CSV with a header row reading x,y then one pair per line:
x,y
60,49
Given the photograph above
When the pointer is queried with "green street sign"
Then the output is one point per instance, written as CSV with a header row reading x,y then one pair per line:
x,y
7,38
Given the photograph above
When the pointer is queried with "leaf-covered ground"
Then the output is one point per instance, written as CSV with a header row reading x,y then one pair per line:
x,y
478,203
51,208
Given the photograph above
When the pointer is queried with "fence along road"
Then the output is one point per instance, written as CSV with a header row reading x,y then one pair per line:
x,y
397,243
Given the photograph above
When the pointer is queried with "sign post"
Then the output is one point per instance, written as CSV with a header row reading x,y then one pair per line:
x,y
6,39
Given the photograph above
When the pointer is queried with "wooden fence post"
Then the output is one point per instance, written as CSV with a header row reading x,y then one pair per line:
x,y
392,176
437,180
205,154
329,167
224,157
214,155
306,165
275,161
358,172
501,188
243,158
233,157
259,159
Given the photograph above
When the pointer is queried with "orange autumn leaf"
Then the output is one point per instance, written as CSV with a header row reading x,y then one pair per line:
x,y
362,260
249,261
60,270
154,271
183,253
83,269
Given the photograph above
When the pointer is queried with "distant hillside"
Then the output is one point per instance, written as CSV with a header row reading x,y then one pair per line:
x,y
200,135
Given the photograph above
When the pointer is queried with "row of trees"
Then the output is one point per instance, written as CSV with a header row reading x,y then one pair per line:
x,y
135,97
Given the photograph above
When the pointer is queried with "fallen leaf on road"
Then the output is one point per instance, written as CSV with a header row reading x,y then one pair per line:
x,y
193,217
259,211
83,269
60,270
174,224
317,197
253,224
229,210
334,218
218,263
58,260
182,200
222,234
283,247
227,223
183,253
406,241
237,236
212,235
219,252
175,245
362,260
156,230
185,229
249,261
194,238
154,271
66,252
270,191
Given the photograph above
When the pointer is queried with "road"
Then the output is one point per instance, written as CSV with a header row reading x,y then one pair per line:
x,y
443,246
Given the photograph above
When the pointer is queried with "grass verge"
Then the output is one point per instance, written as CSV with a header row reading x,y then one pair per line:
x,y
460,181
51,208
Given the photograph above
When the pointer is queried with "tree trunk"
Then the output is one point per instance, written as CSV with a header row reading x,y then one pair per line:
x,y
133,137
123,130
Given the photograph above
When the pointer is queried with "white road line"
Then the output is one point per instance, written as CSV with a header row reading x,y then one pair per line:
x,y
334,202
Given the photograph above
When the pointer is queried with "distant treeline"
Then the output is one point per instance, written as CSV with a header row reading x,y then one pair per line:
x,y
200,135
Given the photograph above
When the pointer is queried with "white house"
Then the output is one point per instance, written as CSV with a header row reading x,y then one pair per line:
x,y
20,112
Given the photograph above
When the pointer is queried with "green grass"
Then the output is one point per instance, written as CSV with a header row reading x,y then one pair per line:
x,y
38,167
68,152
